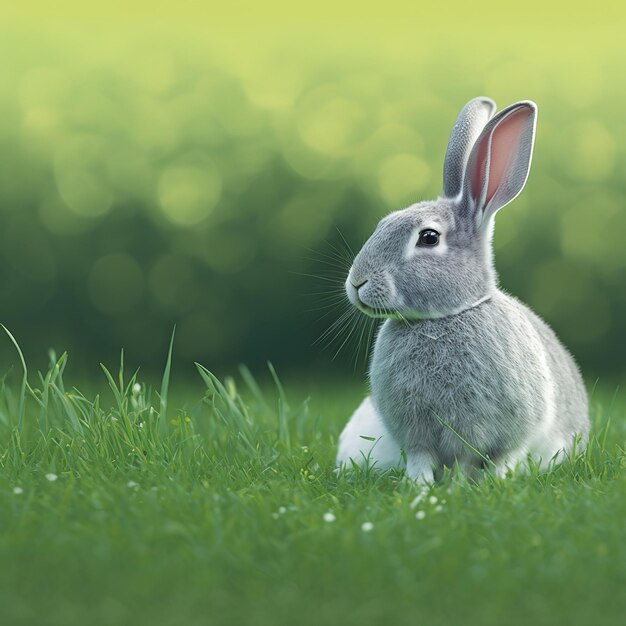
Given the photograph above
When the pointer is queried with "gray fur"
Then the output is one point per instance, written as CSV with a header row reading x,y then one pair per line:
x,y
459,366
471,120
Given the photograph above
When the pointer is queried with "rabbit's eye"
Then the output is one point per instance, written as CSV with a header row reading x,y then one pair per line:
x,y
428,237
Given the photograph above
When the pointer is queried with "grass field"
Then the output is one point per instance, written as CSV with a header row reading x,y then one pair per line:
x,y
136,508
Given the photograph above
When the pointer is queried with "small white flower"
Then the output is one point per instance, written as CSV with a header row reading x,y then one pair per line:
x,y
18,491
282,510
438,508
329,517
366,527
419,497
51,477
131,484
433,499
136,389
420,515
416,501
275,515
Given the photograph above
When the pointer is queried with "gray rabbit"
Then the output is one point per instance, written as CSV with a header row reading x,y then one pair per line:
x,y
461,371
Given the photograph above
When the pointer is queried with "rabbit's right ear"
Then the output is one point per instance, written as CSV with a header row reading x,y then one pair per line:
x,y
499,163
469,124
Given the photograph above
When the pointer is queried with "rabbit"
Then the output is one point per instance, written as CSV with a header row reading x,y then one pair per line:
x,y
462,374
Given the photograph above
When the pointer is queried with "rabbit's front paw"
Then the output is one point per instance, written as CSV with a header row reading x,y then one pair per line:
x,y
419,467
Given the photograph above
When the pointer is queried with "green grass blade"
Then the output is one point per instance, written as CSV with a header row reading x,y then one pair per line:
x,y
466,442
165,382
283,409
22,398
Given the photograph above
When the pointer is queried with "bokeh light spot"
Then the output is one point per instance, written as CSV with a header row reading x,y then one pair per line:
x,y
188,194
330,122
84,193
384,143
273,84
40,122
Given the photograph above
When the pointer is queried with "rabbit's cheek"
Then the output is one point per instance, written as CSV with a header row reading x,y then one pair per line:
x,y
391,292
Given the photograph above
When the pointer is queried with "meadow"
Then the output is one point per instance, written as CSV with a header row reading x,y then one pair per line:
x,y
221,505
213,166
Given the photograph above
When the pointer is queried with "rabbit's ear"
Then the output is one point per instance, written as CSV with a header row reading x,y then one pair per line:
x,y
499,163
471,120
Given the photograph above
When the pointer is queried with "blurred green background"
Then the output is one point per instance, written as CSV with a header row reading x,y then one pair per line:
x,y
162,164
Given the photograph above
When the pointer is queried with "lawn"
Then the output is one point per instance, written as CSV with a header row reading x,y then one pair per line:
x,y
138,508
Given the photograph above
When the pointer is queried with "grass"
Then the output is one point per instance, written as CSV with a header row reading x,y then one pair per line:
x,y
123,509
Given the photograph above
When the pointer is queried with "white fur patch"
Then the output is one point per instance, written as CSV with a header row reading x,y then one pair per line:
x,y
366,440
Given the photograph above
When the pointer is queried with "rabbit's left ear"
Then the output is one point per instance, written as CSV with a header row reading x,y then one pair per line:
x,y
471,120
499,163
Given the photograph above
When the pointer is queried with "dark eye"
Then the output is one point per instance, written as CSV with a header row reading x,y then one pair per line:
x,y
428,237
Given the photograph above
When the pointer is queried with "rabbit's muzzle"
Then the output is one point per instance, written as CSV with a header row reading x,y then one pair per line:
x,y
371,295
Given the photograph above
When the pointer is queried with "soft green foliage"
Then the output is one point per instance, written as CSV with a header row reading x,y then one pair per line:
x,y
182,171
229,511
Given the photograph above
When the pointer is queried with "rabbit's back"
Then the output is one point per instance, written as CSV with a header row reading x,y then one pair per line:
x,y
570,395
495,377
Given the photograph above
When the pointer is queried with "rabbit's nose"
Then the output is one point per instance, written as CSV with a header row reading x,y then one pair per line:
x,y
357,286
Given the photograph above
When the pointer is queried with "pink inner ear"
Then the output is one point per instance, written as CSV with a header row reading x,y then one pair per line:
x,y
504,144
477,174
